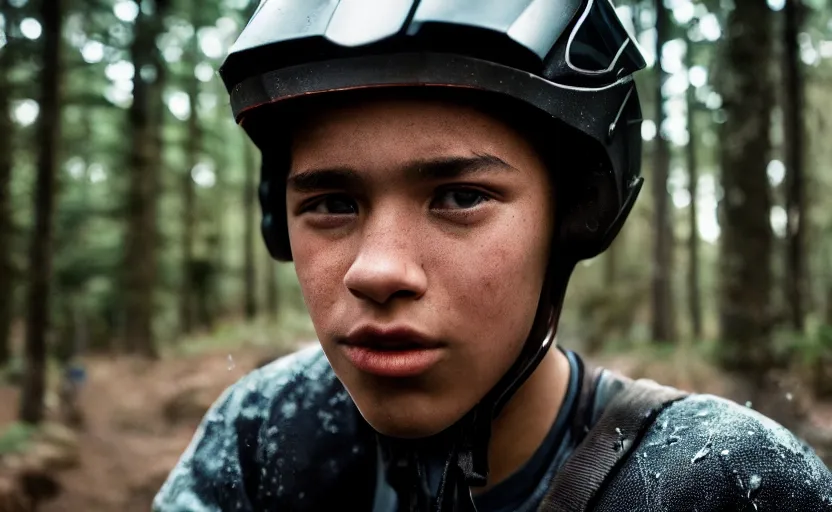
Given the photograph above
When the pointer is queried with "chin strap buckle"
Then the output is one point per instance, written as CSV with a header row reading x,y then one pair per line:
x,y
406,474
472,455
467,464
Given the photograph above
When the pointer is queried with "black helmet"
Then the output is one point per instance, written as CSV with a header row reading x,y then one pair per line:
x,y
568,62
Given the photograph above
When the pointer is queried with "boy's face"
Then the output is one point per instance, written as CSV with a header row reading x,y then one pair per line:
x,y
420,233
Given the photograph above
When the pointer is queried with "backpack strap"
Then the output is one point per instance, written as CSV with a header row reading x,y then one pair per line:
x,y
621,425
589,378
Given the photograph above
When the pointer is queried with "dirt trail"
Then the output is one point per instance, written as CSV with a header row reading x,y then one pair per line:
x,y
129,442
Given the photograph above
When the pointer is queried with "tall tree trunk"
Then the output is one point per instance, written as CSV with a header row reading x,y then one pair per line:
x,y
192,151
694,293
249,271
6,165
142,231
218,244
828,316
746,241
794,139
40,255
635,17
827,254
664,325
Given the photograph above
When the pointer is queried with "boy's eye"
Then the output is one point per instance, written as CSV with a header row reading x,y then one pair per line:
x,y
458,199
334,205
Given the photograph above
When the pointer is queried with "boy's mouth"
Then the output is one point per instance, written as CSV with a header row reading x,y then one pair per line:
x,y
389,338
391,351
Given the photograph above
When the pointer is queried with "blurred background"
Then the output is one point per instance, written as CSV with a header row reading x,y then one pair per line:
x,y
134,286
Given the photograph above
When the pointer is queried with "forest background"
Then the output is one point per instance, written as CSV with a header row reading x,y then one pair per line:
x,y
134,284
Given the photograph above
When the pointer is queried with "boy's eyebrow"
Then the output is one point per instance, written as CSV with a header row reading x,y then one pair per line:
x,y
324,179
419,170
455,166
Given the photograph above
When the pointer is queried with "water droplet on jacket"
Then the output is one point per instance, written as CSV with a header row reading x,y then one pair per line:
x,y
288,409
754,489
623,443
724,453
657,475
271,449
701,454
231,363
678,429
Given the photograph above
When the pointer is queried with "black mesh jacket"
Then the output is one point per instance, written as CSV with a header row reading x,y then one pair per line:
x,y
287,437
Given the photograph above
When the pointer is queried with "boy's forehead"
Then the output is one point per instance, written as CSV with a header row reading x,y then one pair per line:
x,y
390,131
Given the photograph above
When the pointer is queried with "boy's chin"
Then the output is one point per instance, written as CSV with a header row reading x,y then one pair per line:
x,y
409,412
405,430
409,422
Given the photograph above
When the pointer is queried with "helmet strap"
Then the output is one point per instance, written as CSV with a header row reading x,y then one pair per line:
x,y
467,441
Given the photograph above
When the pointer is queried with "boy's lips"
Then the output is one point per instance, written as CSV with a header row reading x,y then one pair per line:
x,y
395,337
391,351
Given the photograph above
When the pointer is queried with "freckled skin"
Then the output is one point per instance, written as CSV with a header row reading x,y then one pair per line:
x,y
471,280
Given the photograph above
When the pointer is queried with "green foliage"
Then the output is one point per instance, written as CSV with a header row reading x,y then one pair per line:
x,y
12,371
232,335
15,438
811,348
91,206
